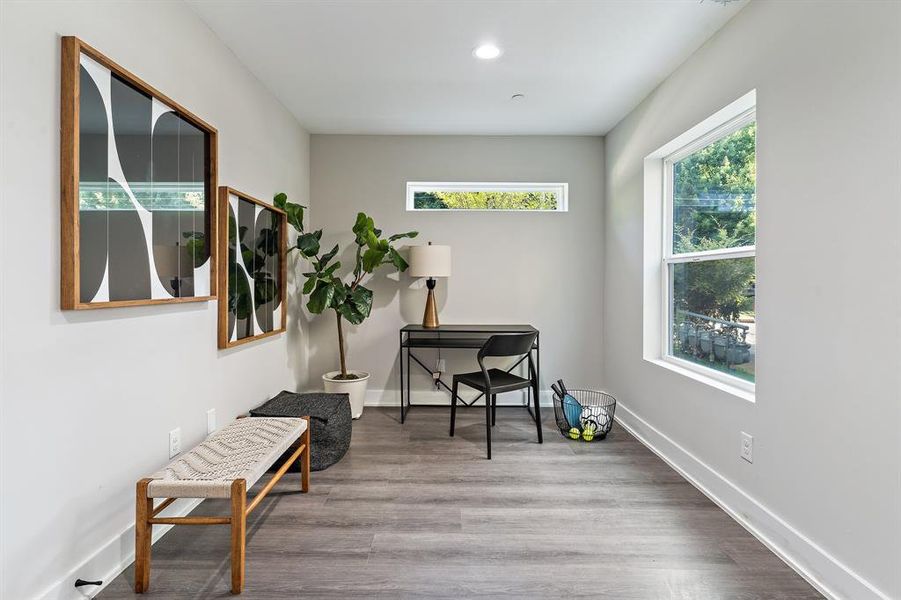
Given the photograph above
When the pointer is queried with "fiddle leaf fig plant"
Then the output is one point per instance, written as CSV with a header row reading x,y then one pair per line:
x,y
326,288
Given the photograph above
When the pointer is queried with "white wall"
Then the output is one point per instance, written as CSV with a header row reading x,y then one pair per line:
x,y
537,268
88,398
824,486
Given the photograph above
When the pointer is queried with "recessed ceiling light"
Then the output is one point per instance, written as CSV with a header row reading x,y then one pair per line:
x,y
487,52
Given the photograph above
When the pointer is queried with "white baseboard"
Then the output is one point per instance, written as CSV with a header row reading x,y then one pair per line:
x,y
823,571
442,398
112,558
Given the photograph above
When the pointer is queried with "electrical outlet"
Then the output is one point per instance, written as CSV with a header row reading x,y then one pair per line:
x,y
174,442
747,447
210,421
442,365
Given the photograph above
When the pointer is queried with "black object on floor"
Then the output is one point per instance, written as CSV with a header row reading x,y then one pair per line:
x,y
583,414
331,423
492,382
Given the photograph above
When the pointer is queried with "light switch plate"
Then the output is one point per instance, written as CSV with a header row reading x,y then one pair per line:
x,y
210,421
174,442
747,447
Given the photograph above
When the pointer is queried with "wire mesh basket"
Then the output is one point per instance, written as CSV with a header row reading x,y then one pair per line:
x,y
584,414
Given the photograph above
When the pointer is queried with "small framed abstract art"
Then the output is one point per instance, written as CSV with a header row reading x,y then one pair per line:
x,y
137,187
252,268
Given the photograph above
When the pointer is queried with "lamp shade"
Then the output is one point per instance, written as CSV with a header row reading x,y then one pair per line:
x,y
430,261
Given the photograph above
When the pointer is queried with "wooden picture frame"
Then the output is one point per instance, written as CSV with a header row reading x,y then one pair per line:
x,y
238,212
144,194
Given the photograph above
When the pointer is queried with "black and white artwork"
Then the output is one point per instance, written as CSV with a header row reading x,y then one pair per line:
x,y
254,269
144,195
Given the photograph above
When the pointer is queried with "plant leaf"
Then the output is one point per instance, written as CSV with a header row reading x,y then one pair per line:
x,y
363,226
358,261
359,227
372,241
361,298
397,260
280,200
356,306
349,312
372,259
360,223
295,216
399,236
340,295
308,244
309,285
331,269
321,298
323,260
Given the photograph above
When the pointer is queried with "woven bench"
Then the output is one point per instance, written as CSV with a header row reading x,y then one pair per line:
x,y
225,465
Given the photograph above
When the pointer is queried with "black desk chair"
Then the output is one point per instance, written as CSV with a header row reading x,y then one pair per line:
x,y
492,382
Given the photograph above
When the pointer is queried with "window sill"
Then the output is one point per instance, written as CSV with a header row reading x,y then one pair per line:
x,y
676,366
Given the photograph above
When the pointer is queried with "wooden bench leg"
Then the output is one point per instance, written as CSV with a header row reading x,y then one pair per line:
x,y
143,536
305,458
239,526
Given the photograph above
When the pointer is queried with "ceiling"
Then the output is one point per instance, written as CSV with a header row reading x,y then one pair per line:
x,y
406,67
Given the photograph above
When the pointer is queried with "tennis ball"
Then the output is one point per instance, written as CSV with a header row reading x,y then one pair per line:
x,y
588,435
574,433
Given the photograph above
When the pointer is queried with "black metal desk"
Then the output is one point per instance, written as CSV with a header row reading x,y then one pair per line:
x,y
451,336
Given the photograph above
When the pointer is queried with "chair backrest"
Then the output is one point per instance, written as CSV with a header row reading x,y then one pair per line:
x,y
508,344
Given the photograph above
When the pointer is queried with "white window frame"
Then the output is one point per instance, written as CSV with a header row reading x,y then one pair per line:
x,y
659,255
561,189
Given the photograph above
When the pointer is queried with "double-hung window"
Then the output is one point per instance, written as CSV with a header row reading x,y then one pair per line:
x,y
708,253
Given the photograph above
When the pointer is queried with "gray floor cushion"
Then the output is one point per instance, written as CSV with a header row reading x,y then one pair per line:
x,y
330,422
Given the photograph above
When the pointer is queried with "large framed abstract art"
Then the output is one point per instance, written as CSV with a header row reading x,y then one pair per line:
x,y
252,268
138,182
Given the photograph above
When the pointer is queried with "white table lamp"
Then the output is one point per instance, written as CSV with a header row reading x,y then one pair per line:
x,y
430,261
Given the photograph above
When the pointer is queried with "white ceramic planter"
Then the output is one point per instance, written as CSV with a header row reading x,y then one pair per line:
x,y
354,388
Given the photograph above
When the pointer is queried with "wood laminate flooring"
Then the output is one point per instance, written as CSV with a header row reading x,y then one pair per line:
x,y
413,513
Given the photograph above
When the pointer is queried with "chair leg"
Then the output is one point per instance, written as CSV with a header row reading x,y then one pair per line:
x,y
453,407
493,410
305,439
537,412
488,421
239,527
143,536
